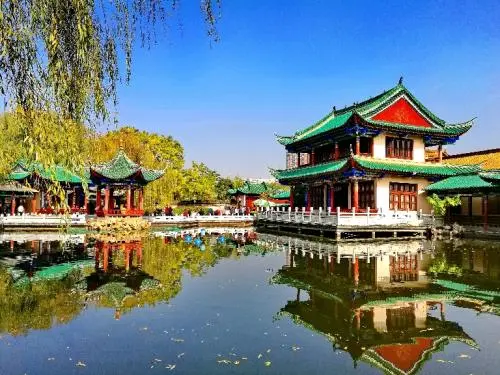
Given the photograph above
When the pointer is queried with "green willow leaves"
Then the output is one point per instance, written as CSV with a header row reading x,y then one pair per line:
x,y
67,57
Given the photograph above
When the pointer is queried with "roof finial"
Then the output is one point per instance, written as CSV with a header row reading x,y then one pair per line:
x,y
400,80
334,108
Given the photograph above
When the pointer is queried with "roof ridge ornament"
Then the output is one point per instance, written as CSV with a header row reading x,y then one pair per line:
x,y
400,82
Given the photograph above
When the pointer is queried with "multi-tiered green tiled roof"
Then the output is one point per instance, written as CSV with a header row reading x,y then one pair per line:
x,y
367,109
121,168
369,164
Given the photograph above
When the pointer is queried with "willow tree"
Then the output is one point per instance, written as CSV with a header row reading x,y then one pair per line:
x,y
68,57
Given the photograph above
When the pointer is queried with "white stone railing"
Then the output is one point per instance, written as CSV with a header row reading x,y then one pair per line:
x,y
41,220
342,218
179,219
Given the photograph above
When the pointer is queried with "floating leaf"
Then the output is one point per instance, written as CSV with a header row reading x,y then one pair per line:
x,y
267,363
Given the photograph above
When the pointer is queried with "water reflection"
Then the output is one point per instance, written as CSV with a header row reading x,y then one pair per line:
x,y
389,305
51,279
384,303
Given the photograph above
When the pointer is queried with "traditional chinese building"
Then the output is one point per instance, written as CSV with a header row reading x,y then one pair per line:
x,y
34,196
120,186
371,155
246,195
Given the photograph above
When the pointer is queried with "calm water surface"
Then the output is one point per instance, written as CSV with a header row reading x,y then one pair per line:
x,y
73,305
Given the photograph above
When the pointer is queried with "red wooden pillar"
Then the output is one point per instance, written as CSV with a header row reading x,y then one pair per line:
x,y
313,157
105,260
139,256
98,202
132,198
337,151
332,196
106,200
141,199
298,159
355,195
358,147
485,213
356,272
12,204
126,249
34,202
291,198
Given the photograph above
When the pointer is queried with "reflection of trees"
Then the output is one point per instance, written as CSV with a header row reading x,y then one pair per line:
x,y
155,278
37,305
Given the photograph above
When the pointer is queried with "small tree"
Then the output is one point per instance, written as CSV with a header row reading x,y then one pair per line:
x,y
439,205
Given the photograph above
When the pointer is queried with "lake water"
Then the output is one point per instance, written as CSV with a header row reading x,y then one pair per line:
x,y
279,305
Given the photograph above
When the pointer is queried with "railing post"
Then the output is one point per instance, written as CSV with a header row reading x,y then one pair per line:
x,y
329,211
353,211
295,215
289,213
310,214
303,212
368,215
319,216
338,215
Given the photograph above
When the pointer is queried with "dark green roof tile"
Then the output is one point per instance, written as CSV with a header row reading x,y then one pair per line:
x,y
309,171
459,184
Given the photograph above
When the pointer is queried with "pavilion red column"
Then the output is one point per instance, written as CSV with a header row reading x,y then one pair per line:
x,y
34,202
12,204
106,200
141,199
105,260
291,198
485,213
355,195
98,199
358,141
129,198
356,272
313,157
337,151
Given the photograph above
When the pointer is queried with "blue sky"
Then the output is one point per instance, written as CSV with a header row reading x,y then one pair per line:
x,y
281,65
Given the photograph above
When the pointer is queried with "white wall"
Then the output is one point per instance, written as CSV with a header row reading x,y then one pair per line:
x,y
382,192
379,147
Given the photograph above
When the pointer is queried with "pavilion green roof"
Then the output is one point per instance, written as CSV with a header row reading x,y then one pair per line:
x,y
459,184
121,167
410,167
367,109
250,188
23,170
310,171
396,166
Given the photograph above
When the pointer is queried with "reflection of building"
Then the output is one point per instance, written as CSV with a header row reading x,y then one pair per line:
x,y
380,307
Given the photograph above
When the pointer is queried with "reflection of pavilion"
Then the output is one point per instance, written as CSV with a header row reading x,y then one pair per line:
x,y
382,311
